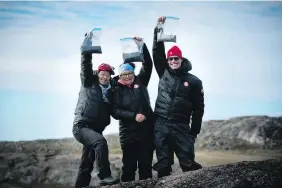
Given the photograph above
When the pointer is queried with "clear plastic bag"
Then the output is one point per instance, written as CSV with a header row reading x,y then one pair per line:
x,y
132,50
167,29
91,43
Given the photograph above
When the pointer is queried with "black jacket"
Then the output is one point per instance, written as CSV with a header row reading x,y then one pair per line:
x,y
91,107
129,101
180,94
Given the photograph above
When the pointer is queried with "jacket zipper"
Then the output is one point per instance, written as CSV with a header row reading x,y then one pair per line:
x,y
173,98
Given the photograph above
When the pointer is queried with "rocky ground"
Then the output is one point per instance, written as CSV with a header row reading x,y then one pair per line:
x,y
239,175
247,174
54,163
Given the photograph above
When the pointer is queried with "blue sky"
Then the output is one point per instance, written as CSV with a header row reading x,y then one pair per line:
x,y
235,49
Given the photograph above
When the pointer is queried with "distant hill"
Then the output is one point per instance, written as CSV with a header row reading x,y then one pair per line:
x,y
238,133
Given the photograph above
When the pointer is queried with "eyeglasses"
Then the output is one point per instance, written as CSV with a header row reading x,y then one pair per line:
x,y
173,58
126,75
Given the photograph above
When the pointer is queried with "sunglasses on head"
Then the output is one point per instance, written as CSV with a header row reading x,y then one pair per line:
x,y
173,58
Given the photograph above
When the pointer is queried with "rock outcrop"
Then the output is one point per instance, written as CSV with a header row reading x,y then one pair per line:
x,y
45,169
255,132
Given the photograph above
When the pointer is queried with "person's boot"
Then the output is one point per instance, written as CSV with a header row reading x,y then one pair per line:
x,y
109,181
196,166
170,169
164,172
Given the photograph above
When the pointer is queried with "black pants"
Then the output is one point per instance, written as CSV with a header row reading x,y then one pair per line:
x,y
172,137
136,154
94,148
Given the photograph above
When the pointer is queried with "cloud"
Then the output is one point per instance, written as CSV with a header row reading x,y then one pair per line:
x,y
235,47
225,47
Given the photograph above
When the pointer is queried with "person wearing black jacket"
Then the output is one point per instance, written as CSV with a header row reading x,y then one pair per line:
x,y
180,98
133,110
92,115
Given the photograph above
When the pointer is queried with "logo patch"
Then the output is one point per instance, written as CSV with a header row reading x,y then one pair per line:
x,y
136,86
186,84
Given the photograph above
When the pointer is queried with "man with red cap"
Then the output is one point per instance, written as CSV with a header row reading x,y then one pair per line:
x,y
92,115
180,98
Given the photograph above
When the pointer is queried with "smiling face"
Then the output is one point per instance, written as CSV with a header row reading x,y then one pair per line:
x,y
127,77
104,77
174,62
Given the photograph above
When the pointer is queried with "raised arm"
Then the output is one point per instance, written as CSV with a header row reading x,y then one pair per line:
x,y
159,56
86,72
147,66
117,112
198,107
87,75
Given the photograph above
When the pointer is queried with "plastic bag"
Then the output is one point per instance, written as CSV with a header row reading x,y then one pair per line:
x,y
132,50
91,43
167,29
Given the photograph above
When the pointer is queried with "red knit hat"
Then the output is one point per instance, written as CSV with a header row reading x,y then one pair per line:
x,y
106,67
174,51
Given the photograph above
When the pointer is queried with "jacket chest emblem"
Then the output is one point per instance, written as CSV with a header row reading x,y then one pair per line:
x,y
136,86
186,84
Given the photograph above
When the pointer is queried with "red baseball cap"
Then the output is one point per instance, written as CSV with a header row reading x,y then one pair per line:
x,y
106,67
174,51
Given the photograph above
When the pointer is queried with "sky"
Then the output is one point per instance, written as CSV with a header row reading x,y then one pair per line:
x,y
235,49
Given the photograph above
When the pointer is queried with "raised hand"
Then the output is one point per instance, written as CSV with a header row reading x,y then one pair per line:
x,y
137,38
161,19
87,43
